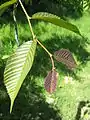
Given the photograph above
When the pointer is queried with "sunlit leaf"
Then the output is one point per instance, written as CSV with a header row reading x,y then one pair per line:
x,y
7,4
17,67
55,20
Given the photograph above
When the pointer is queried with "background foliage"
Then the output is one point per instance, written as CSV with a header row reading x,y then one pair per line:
x,y
33,102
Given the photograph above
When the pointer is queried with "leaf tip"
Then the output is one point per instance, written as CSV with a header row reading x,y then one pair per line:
x,y
11,106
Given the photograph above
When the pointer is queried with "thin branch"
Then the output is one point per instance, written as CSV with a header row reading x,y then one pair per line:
x,y
44,48
28,18
48,54
34,37
53,67
15,24
23,8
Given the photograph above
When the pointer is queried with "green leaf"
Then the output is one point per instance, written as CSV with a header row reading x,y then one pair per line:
x,y
55,20
3,10
7,4
17,67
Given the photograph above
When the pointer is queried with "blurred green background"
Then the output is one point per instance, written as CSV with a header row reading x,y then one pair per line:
x,y
33,102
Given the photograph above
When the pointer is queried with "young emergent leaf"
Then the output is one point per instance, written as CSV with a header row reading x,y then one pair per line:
x,y
17,67
65,56
55,20
51,81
